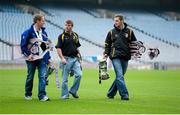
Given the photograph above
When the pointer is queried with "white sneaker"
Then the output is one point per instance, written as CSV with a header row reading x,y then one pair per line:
x,y
28,98
65,97
45,98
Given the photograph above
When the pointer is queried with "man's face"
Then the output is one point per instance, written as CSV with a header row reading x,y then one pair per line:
x,y
41,22
118,23
68,27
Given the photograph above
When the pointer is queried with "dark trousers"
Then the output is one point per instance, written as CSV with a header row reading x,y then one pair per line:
x,y
42,70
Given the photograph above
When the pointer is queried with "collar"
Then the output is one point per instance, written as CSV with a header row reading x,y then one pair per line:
x,y
32,28
68,33
38,33
121,28
35,29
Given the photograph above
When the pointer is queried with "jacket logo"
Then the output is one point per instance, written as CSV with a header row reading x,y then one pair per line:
x,y
116,35
33,34
126,35
23,37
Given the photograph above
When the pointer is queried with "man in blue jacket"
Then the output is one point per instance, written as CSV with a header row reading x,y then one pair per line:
x,y
34,33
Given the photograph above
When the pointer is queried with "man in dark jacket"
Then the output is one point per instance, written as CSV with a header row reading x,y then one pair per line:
x,y
117,48
29,49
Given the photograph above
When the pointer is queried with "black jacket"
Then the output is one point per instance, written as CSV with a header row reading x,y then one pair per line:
x,y
117,43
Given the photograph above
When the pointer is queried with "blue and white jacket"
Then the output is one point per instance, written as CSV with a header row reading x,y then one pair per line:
x,y
30,34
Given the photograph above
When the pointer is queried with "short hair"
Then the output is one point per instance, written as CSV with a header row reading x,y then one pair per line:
x,y
119,16
37,17
69,22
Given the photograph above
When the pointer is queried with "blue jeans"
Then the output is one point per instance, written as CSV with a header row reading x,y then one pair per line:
x,y
42,70
120,67
72,64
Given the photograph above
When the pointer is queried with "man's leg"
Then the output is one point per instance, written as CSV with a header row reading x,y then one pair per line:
x,y
112,91
31,67
77,74
120,83
65,73
124,66
42,70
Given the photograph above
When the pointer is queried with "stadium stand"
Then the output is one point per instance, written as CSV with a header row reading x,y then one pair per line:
x,y
153,30
155,25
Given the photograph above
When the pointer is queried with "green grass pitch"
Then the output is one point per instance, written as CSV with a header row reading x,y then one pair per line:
x,y
150,92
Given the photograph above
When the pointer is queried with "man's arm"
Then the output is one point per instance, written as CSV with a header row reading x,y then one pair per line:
x,y
108,43
24,43
59,49
133,37
63,60
77,43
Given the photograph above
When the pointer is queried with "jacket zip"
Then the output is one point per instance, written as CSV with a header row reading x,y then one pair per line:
x,y
113,52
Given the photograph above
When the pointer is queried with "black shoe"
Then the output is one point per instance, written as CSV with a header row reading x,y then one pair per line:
x,y
125,98
74,95
71,73
47,81
110,97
